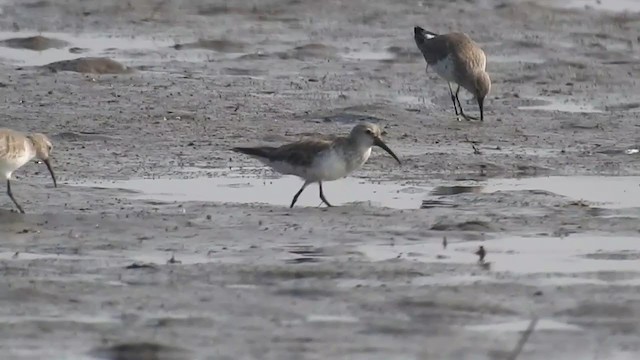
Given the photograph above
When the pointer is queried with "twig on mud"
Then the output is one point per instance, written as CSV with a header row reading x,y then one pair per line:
x,y
523,339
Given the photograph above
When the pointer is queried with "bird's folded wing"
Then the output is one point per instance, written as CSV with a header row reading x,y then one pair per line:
x,y
301,153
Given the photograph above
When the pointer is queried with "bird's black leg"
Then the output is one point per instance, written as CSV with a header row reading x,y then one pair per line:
x,y
295,198
11,196
453,99
465,116
322,195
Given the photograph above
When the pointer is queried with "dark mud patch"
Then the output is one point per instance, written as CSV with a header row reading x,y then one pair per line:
x,y
219,45
90,65
599,310
623,106
455,190
475,225
35,43
309,51
243,72
140,351
309,293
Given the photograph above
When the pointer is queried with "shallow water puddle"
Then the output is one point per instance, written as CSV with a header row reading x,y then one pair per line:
x,y
607,5
331,318
251,189
368,55
69,46
554,104
524,255
226,186
80,319
77,46
605,191
17,256
522,325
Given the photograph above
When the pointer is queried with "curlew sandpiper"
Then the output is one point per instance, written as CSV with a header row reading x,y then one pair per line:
x,y
318,160
16,149
457,59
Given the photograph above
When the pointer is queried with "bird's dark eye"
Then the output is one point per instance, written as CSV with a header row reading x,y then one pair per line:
x,y
369,131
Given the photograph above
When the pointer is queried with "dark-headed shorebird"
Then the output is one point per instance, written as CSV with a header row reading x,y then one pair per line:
x,y
16,149
318,160
457,59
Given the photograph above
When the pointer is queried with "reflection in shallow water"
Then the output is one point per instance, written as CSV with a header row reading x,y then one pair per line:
x,y
517,326
227,186
250,189
519,254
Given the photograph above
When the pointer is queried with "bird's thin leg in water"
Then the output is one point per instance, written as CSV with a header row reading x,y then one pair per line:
x,y
453,99
295,198
466,117
322,195
11,196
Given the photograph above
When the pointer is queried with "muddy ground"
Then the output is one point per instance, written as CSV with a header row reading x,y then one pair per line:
x,y
91,267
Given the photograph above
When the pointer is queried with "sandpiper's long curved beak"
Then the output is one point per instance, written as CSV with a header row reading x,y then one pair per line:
x,y
481,106
378,142
53,176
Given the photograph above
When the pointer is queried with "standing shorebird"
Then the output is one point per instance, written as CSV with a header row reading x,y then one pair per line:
x,y
316,160
16,149
457,59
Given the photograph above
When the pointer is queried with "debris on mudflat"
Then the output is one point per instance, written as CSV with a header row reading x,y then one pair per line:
x,y
481,253
140,266
444,242
173,260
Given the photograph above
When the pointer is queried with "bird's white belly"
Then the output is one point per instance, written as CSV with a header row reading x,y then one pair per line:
x,y
335,165
9,165
327,166
445,69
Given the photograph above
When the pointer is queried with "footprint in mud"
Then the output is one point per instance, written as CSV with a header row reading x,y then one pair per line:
x,y
219,45
90,65
35,43
140,351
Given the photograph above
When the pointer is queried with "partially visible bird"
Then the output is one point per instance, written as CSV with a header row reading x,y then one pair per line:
x,y
16,149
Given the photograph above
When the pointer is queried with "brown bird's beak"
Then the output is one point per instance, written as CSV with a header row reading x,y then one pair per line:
x,y
378,142
481,106
53,176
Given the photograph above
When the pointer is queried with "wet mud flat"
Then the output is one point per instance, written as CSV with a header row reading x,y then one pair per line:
x,y
162,244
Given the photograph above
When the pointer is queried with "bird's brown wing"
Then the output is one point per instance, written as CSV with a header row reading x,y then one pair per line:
x,y
439,47
300,153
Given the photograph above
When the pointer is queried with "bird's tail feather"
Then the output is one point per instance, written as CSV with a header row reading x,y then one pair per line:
x,y
261,152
